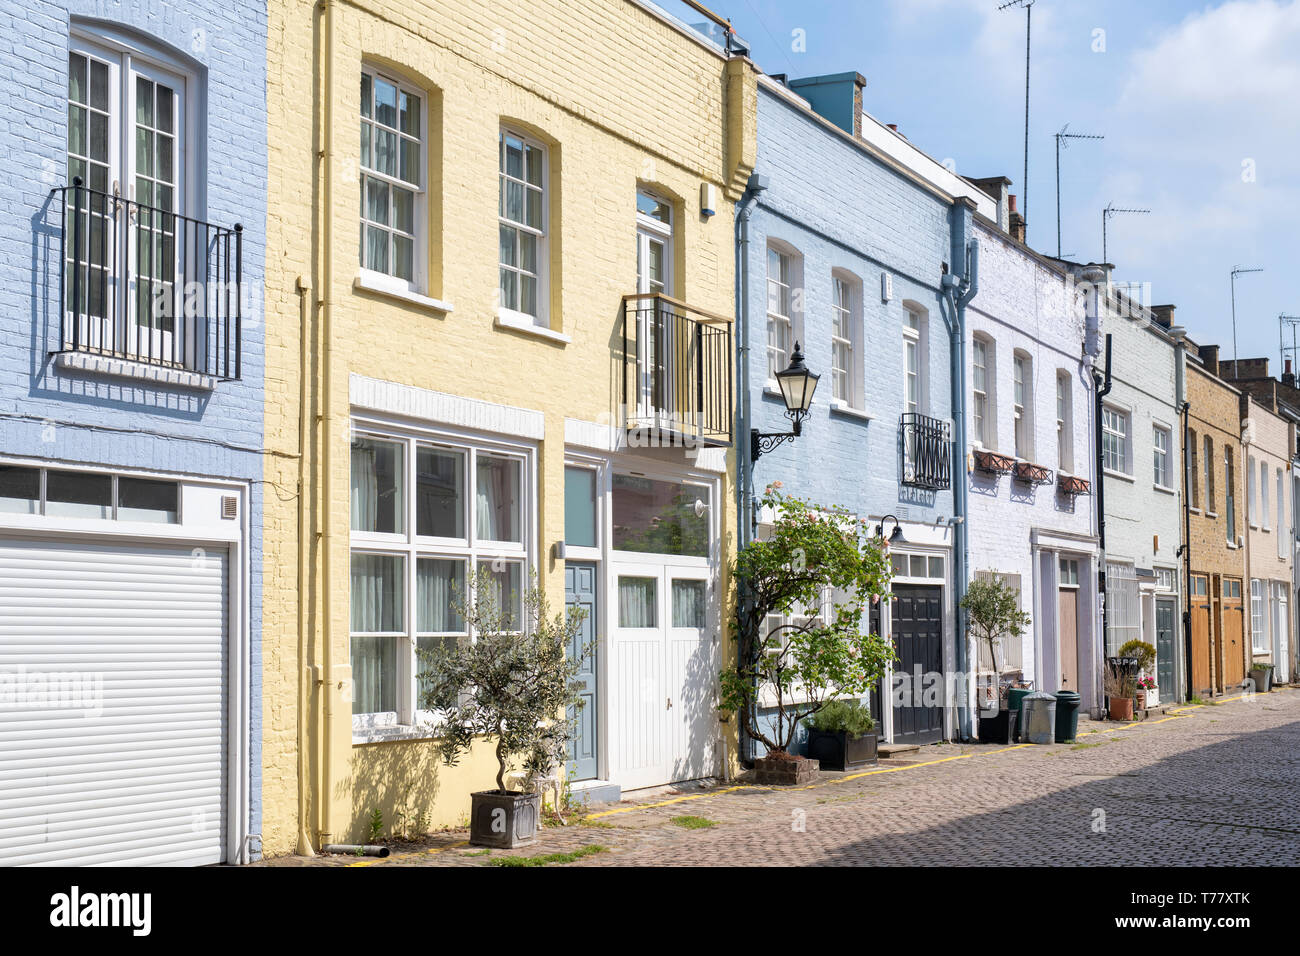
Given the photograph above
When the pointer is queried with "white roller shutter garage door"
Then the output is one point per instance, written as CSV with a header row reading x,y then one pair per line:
x,y
113,703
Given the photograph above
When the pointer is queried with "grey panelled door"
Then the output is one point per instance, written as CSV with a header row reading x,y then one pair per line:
x,y
580,591
917,618
1165,651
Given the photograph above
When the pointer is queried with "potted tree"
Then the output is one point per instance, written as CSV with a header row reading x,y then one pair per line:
x,y
841,736
798,626
512,683
1145,655
993,613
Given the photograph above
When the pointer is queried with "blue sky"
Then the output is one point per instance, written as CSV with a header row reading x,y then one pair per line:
x,y
1199,104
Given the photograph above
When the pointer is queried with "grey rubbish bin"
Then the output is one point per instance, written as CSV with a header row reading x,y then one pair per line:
x,y
1039,711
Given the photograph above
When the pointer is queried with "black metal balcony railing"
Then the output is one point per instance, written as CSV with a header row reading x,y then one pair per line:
x,y
147,284
676,371
927,451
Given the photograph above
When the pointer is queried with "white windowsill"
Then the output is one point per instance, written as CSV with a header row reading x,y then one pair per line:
x,y
519,322
383,734
139,371
373,282
1111,473
839,408
1164,490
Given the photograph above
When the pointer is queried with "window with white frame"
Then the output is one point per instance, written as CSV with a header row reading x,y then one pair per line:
x,y
1252,507
1022,401
1165,579
392,178
845,296
522,226
780,310
1064,422
1010,649
1282,531
1207,461
1193,473
982,397
1263,496
1162,473
426,515
915,359
1114,440
1259,638
1123,606
1229,494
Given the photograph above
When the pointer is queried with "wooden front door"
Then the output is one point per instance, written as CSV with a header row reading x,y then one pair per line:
x,y
1069,624
1233,645
1200,602
917,630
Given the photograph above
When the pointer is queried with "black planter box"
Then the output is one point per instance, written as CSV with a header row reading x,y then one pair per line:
x,y
836,750
1000,729
503,820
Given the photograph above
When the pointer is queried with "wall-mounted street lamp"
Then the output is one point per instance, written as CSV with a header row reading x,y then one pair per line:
x,y
797,385
895,536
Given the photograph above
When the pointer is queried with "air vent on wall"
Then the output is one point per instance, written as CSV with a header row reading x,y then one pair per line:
x,y
229,506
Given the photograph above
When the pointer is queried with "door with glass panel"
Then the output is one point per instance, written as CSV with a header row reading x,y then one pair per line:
x,y
655,338
126,143
690,671
638,690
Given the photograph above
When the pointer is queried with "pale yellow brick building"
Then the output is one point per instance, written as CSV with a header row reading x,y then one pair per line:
x,y
461,197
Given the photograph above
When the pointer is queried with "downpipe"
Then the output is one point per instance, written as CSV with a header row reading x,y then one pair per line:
x,y
1101,388
744,467
355,849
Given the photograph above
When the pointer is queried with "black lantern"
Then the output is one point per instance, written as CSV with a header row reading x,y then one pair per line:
x,y
895,536
797,386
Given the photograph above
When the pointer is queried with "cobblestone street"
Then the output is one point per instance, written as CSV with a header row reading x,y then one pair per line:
x,y
1210,785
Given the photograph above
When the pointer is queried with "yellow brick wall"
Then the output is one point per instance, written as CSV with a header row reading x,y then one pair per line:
x,y
623,99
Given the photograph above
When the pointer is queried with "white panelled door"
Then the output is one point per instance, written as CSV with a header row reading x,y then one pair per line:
x,y
113,742
663,676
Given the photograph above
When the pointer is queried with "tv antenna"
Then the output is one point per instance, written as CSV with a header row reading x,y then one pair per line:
x,y
1236,271
1106,214
1028,6
1063,142
1282,322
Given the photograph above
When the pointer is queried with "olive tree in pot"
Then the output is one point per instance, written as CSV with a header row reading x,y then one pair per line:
x,y
512,683
798,626
993,613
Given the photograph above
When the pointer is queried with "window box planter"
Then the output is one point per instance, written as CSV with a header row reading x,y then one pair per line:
x,y
1072,486
991,463
999,729
836,750
503,820
784,770
1032,474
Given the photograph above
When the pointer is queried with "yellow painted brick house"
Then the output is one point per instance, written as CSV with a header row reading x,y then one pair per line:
x,y
500,277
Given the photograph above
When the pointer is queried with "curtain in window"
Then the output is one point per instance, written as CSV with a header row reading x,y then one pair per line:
x,y
377,593
688,604
497,499
377,486
374,675
506,589
636,602
438,582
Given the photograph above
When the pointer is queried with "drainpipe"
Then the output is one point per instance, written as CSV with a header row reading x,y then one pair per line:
x,y
960,289
744,467
1185,408
1102,385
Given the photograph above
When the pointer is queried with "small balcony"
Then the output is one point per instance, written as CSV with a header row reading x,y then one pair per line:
x,y
145,284
677,361
927,452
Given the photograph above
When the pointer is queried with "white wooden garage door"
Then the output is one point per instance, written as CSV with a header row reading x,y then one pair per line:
x,y
112,703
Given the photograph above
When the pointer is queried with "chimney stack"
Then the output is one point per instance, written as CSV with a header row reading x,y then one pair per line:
x,y
1288,376
1210,358
1017,221
1164,315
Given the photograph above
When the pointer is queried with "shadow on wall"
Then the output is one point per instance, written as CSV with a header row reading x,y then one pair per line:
x,y
1185,809
47,338
402,780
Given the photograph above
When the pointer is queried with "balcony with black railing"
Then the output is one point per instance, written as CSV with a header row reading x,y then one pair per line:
x,y
677,363
927,451
146,284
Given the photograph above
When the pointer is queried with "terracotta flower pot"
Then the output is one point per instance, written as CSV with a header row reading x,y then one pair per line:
x,y
1121,708
1142,700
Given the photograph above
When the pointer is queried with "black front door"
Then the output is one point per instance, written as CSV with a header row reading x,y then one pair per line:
x,y
918,697
1165,651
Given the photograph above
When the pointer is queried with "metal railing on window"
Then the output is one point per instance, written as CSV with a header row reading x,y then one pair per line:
x,y
676,371
927,451
147,284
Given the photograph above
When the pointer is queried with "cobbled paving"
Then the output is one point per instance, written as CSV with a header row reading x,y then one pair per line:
x,y
1216,785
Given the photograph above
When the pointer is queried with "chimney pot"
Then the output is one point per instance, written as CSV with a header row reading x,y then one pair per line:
x,y
1011,202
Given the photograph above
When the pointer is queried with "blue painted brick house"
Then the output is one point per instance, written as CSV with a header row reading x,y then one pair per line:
x,y
851,234
131,411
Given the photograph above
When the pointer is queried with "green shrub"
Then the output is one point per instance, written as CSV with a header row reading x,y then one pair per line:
x,y
1144,652
847,716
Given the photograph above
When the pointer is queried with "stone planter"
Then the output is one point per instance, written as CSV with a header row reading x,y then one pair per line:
x,y
784,771
1263,678
836,750
1121,708
503,819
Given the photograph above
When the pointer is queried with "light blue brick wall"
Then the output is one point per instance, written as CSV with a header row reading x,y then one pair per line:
x,y
103,421
842,209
